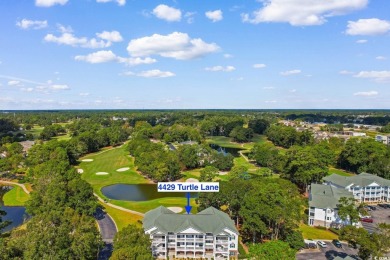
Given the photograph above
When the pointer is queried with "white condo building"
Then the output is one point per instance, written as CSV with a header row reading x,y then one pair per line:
x,y
210,234
323,198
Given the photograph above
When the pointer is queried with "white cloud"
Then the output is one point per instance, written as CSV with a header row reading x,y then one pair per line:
x,y
84,94
27,89
176,45
227,56
190,17
13,82
290,72
380,58
268,88
371,26
59,87
48,3
302,12
221,68
69,39
113,36
151,74
107,56
97,57
167,13
30,24
361,41
366,93
259,66
120,2
214,16
345,72
270,101
379,76
292,90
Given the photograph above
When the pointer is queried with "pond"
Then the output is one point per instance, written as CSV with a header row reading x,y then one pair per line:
x,y
226,150
15,214
139,192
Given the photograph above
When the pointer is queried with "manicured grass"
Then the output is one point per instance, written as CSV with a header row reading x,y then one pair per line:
x,y
340,172
144,206
62,137
35,131
309,232
122,219
223,141
240,161
15,197
109,161
195,173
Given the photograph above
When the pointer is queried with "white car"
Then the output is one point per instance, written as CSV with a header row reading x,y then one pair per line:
x,y
321,243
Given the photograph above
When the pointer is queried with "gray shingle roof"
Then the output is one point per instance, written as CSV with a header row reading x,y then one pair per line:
x,y
209,220
326,196
363,179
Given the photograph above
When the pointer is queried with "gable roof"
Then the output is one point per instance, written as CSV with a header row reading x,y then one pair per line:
x,y
209,220
326,196
362,180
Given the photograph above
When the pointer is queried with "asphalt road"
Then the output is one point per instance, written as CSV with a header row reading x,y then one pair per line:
x,y
327,253
107,230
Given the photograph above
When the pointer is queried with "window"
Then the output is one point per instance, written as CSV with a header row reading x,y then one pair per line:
x,y
328,218
232,245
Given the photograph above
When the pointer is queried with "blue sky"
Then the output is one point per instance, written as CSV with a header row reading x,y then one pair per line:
x,y
97,54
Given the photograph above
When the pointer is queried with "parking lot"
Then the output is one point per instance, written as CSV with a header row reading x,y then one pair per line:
x,y
327,253
380,215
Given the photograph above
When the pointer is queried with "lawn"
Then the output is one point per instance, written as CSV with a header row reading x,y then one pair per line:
x,y
15,197
309,232
223,141
35,131
144,206
111,160
121,218
340,172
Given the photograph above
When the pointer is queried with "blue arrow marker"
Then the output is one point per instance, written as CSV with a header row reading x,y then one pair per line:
x,y
188,207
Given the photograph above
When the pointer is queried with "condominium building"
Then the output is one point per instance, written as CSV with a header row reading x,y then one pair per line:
x,y
365,187
323,200
210,234
385,139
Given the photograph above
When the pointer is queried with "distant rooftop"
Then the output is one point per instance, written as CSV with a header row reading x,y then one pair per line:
x,y
362,180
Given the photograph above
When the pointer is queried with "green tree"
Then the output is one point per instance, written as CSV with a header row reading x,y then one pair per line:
x,y
132,243
273,250
347,210
258,125
208,173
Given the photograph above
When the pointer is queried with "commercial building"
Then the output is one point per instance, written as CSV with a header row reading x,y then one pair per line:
x,y
385,139
210,234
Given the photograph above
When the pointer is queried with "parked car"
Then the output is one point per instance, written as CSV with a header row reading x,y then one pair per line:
x,y
387,206
368,220
321,243
336,243
382,205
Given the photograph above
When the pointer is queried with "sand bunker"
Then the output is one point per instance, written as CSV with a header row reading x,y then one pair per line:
x,y
175,209
192,180
123,169
80,170
102,173
222,173
87,160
